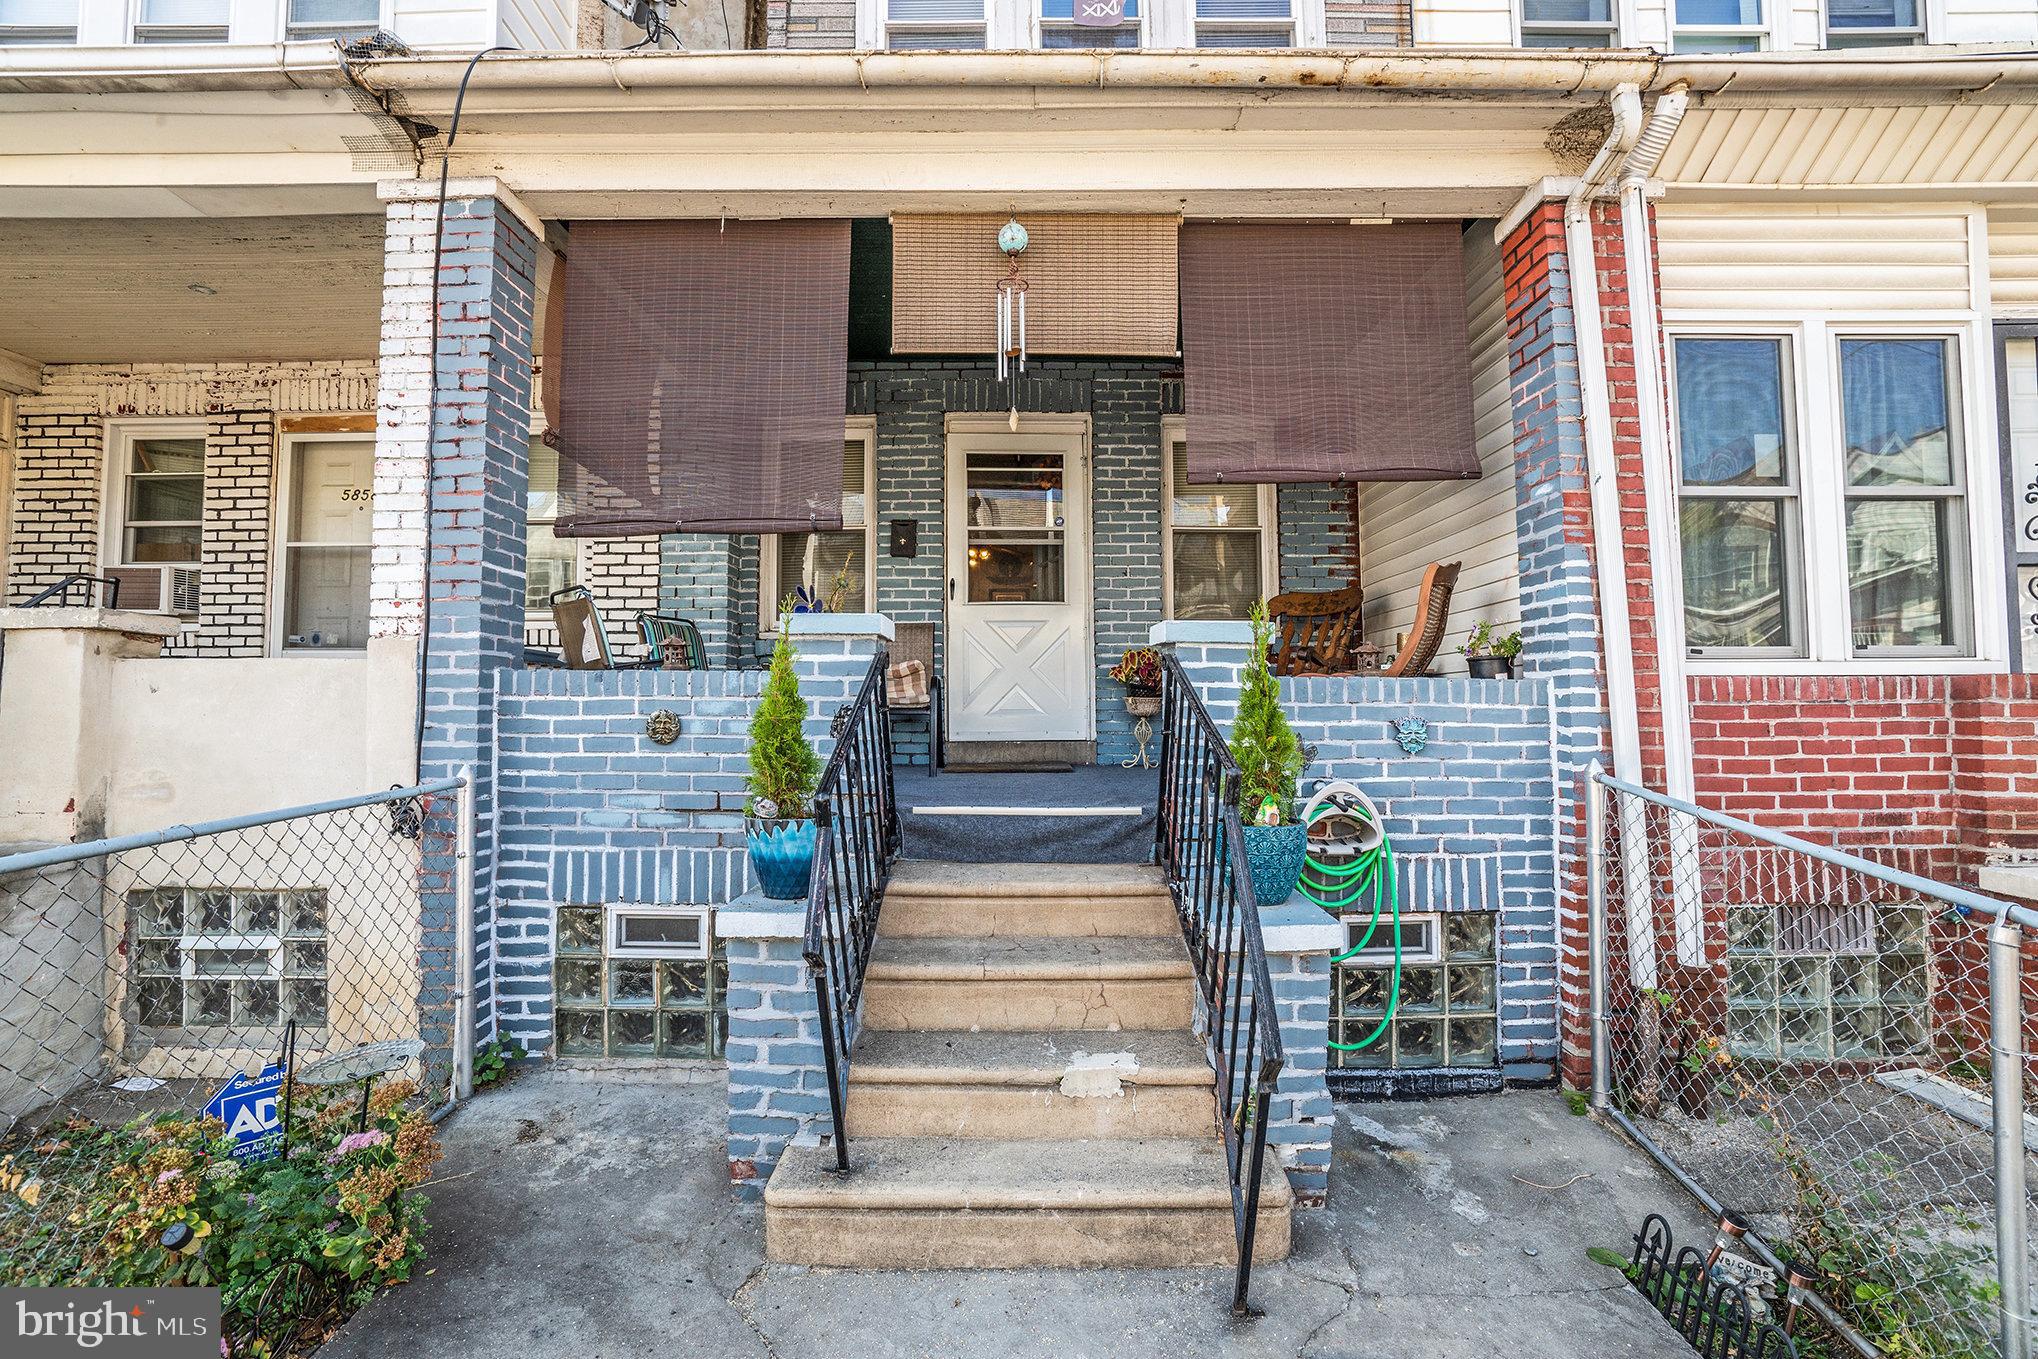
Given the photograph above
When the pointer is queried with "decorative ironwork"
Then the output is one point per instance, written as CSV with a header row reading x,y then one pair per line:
x,y
1200,846
75,591
1714,1314
856,813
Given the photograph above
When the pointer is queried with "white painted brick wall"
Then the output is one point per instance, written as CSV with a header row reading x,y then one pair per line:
x,y
396,581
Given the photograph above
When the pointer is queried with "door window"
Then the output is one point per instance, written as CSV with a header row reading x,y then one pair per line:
x,y
1017,505
326,544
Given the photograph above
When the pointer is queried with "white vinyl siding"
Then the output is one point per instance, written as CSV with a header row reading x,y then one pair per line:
x,y
1406,525
1885,261
2013,261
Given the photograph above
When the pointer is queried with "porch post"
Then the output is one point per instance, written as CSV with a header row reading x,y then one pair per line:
x,y
451,467
1553,531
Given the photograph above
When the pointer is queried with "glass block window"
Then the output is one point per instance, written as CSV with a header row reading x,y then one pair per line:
x,y
228,958
608,1006
1449,1010
1849,983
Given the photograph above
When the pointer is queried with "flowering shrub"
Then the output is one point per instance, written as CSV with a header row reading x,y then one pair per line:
x,y
1139,668
294,1243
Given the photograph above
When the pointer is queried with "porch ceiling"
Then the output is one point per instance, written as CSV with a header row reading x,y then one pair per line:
x,y
100,290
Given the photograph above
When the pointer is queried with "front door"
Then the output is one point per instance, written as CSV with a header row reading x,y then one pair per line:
x,y
1018,545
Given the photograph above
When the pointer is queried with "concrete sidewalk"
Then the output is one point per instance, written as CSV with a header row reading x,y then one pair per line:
x,y
584,1215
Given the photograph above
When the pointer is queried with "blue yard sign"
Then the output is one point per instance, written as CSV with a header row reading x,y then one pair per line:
x,y
248,1105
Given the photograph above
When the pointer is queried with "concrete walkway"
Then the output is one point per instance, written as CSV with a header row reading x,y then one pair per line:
x,y
584,1215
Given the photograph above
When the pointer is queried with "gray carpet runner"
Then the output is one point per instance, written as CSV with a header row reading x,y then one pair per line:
x,y
1089,814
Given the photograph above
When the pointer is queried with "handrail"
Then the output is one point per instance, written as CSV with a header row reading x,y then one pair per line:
x,y
856,816
59,594
1199,844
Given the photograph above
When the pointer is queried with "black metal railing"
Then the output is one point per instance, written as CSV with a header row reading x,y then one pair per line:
x,y
74,591
857,820
1200,845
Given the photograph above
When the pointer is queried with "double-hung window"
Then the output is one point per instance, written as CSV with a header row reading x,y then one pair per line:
x,y
1245,23
920,24
1874,23
1738,495
38,21
1219,545
158,514
835,569
1089,23
1822,517
1567,23
159,21
549,560
1719,26
1905,511
338,19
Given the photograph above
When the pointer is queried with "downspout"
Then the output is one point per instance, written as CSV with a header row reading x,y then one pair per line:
x,y
1610,566
1659,495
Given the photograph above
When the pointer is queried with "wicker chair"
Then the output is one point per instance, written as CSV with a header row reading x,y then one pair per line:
x,y
1315,632
915,642
1432,610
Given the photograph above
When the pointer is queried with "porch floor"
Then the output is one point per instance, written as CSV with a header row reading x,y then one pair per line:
x,y
585,1212
1089,814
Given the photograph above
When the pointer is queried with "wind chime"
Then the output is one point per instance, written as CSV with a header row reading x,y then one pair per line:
x,y
1012,313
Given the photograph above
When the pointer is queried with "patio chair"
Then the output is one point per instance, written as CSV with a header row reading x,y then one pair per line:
x,y
663,633
1316,631
915,642
1432,610
583,640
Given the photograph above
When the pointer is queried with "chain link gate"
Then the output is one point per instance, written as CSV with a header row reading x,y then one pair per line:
x,y
138,975
1834,1050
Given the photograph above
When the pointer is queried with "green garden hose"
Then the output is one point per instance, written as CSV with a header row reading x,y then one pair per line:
x,y
1337,885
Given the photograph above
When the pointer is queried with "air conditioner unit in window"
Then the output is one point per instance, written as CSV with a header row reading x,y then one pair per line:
x,y
159,589
658,931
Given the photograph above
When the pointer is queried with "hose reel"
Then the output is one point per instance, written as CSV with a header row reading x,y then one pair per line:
x,y
1348,856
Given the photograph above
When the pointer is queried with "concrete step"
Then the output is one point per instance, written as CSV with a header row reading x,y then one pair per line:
x,y
1023,1086
1017,983
954,1203
926,899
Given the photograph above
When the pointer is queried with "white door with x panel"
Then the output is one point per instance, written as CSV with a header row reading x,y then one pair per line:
x,y
1018,547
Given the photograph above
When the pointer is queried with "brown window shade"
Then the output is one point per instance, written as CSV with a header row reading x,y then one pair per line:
x,y
701,377
1096,283
1325,352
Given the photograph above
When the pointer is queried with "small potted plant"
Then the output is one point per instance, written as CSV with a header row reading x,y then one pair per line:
x,y
778,816
1139,670
1270,759
1490,655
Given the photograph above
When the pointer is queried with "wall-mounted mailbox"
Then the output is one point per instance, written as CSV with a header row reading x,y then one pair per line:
x,y
905,537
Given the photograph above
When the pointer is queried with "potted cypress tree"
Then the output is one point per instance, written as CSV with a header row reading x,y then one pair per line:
x,y
778,816
1270,759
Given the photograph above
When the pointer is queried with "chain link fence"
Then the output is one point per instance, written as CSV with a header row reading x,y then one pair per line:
x,y
1812,1041
140,975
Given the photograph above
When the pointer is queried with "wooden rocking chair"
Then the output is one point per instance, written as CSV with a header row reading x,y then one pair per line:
x,y
1432,610
1315,632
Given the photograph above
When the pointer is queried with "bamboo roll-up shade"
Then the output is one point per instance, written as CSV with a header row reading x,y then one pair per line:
x,y
1096,283
1325,352
702,376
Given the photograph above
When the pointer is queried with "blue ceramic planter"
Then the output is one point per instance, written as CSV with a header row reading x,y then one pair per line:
x,y
781,855
1275,855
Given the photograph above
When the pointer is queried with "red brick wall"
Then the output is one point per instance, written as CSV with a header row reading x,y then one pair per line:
x,y
1923,773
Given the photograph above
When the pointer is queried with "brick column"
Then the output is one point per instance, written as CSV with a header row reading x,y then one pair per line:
x,y
451,469
240,478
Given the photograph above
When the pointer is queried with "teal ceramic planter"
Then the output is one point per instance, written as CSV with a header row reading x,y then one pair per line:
x,y
1275,855
781,855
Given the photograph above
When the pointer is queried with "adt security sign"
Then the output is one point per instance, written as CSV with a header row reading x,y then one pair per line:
x,y
248,1107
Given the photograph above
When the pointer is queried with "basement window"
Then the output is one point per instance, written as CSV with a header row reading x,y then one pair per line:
x,y
1448,1010
1827,982
168,21
219,958
639,981
24,22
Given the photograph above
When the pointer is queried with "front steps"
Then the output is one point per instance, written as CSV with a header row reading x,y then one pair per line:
x,y
1025,1090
